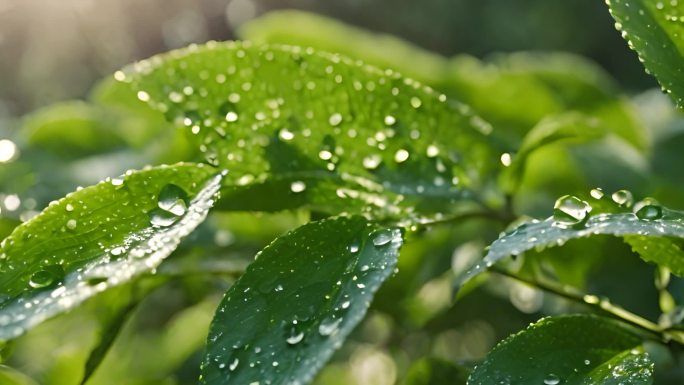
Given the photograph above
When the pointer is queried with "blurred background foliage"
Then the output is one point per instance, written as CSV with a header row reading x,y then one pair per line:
x,y
547,66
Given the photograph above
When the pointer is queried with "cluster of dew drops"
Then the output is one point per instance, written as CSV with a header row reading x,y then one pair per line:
x,y
570,210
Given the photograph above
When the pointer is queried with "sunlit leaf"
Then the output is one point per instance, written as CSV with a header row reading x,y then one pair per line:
x,y
293,113
98,237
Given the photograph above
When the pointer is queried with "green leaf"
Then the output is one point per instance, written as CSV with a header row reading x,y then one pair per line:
x,y
73,129
550,84
9,376
289,112
662,251
567,127
568,350
654,30
98,237
298,302
575,218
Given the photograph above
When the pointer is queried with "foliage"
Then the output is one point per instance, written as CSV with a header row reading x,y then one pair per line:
x,y
330,165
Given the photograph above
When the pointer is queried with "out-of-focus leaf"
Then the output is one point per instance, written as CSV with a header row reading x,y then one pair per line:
x,y
98,237
568,127
431,371
73,129
298,301
654,30
290,112
547,84
572,350
9,376
311,30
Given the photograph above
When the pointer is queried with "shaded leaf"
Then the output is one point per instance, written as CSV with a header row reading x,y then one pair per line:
x,y
572,350
98,237
653,28
298,301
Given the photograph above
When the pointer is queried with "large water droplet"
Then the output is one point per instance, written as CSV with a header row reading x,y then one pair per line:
x,y
172,198
329,326
648,209
570,210
295,338
162,218
46,277
552,379
623,198
382,238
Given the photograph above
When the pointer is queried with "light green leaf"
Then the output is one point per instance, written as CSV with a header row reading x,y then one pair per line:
x,y
662,251
311,30
575,218
568,350
567,127
73,129
653,28
289,112
98,237
298,301
550,84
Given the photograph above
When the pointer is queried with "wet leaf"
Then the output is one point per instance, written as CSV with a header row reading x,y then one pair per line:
x,y
296,304
266,112
95,238
568,350
654,29
616,215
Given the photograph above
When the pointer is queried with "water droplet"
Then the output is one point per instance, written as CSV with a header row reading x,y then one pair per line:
x,y
416,102
233,365
648,209
432,151
382,238
46,277
570,210
335,119
71,224
231,117
506,159
295,338
286,134
596,193
172,199
329,326
372,162
69,207
162,218
354,248
401,155
623,198
390,120
552,379
297,186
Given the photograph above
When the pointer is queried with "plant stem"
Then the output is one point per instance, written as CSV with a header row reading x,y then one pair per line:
x,y
600,305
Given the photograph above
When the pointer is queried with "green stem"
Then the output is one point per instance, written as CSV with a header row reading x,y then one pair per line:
x,y
599,305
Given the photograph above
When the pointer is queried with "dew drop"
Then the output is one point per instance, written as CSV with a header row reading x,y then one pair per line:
x,y
297,186
329,326
552,379
401,156
335,119
648,209
390,120
71,224
596,193
623,198
295,338
382,238
570,210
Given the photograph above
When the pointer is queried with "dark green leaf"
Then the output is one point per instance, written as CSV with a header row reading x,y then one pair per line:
x,y
654,29
289,112
568,350
298,301
575,218
95,238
